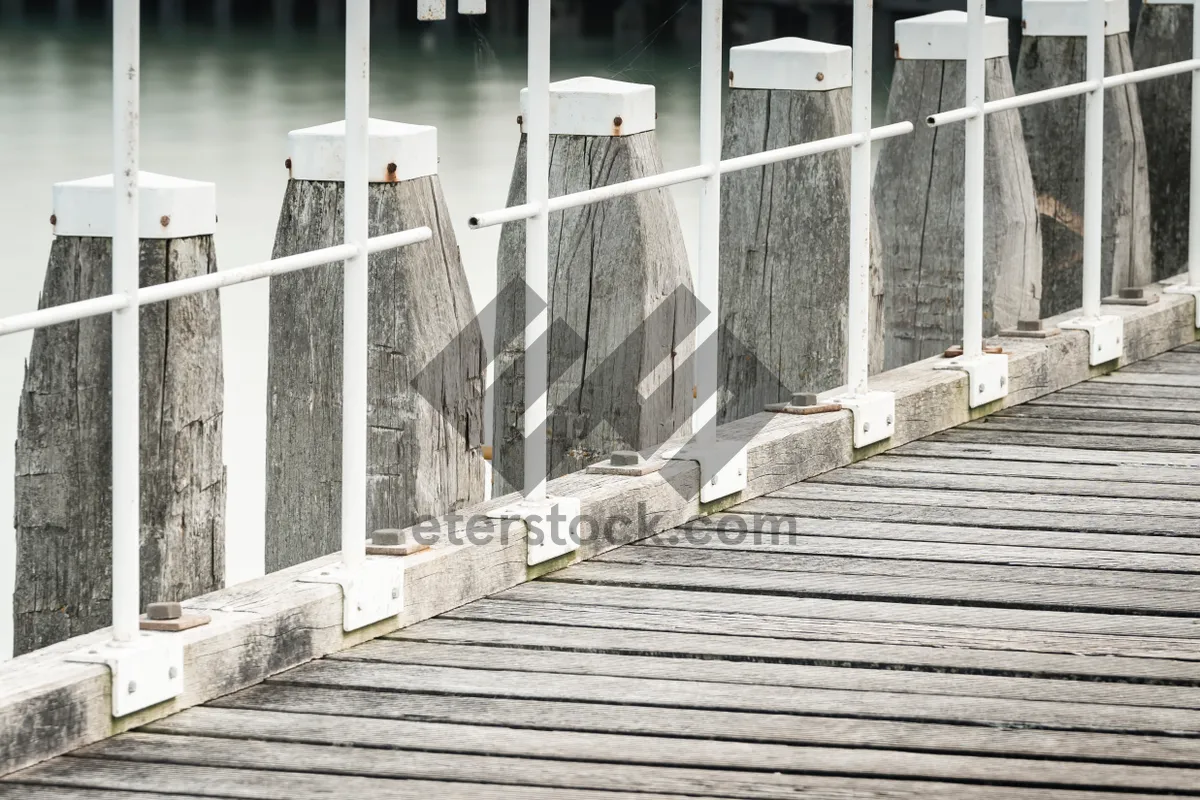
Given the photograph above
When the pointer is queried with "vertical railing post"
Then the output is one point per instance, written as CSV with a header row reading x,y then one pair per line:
x,y
1194,190
1093,157
537,250
354,323
857,331
704,416
126,462
973,179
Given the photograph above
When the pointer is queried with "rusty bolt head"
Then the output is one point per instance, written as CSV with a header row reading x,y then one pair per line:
x,y
1029,324
164,611
520,119
820,76
618,121
802,399
53,219
164,220
391,169
731,76
625,458
1133,293
288,163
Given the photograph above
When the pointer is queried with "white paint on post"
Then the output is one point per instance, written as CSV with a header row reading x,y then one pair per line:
x,y
1071,17
430,10
396,151
588,106
973,189
354,324
1093,156
857,331
1194,217
939,37
704,417
167,207
537,250
126,480
790,63
472,6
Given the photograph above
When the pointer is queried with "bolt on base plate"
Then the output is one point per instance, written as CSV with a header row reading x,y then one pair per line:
x,y
987,376
145,672
874,415
1106,336
724,468
371,592
552,526
1183,288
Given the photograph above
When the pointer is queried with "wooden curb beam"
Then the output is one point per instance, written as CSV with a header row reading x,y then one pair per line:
x,y
63,497
622,312
919,195
49,706
1054,53
426,359
785,237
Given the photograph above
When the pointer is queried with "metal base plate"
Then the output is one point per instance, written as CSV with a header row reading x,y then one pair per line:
x,y
724,468
1107,335
145,672
552,524
370,593
1183,288
874,416
987,376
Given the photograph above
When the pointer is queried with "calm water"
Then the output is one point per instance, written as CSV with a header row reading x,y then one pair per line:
x,y
218,108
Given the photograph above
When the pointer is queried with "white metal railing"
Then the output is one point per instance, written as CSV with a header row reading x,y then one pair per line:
x,y
126,297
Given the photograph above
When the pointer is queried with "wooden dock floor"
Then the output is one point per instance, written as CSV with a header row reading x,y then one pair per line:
x,y
1006,610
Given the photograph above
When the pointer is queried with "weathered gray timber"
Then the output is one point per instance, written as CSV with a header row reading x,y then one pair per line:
x,y
919,195
425,373
785,248
621,310
1164,35
1053,133
63,495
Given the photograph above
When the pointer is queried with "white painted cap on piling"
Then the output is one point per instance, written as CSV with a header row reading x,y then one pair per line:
x,y
1070,17
397,152
168,208
597,107
942,36
791,63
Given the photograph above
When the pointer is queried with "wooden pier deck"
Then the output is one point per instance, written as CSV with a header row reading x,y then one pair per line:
x,y
1008,609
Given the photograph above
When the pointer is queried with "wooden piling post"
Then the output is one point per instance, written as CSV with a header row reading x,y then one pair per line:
x,y
622,312
1054,53
426,359
1164,35
785,228
63,494
919,195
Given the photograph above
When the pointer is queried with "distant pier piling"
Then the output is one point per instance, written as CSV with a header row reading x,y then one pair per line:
x,y
919,195
785,228
426,356
1164,35
63,491
1054,53
622,312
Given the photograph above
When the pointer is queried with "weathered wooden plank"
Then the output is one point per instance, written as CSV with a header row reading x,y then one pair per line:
x,y
785,243
999,497
626,256
394,735
1164,35
1130,390
1194,347
426,365
1098,413
1108,399
612,594
266,781
723,726
63,492
1158,478
918,190
1159,367
1191,381
682,693
1095,579
868,475
756,527
729,537
995,435
33,792
1035,596
1071,427
1053,132
945,447
728,658
711,618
